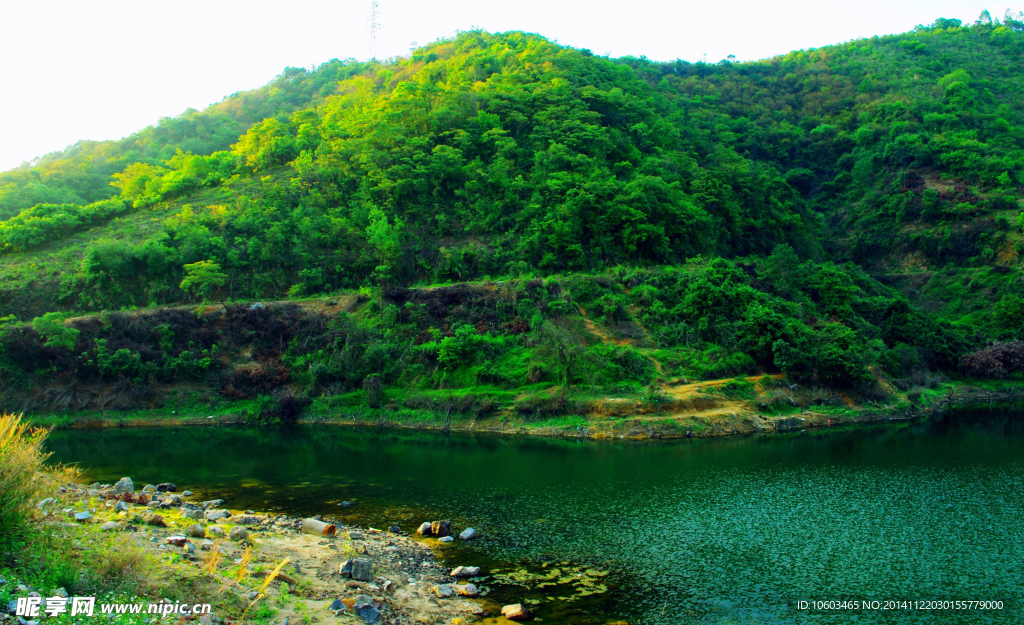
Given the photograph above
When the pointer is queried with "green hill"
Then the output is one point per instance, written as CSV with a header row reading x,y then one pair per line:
x,y
849,216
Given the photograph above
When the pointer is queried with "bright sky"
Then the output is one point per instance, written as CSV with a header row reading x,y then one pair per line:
x,y
102,69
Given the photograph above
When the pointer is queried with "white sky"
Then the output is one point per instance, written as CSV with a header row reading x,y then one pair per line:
x,y
102,69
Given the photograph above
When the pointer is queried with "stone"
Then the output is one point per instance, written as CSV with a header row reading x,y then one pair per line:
x,y
82,516
213,503
149,488
188,548
206,545
336,605
444,591
362,570
217,515
109,526
245,519
441,528
12,606
355,535
468,534
238,533
154,519
193,513
196,531
469,590
177,541
515,612
445,539
424,528
166,487
215,530
368,612
345,568
120,507
174,500
465,571
394,529
124,485
187,493
46,502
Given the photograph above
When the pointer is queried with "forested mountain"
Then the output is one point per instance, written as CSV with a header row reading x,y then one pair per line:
x,y
828,213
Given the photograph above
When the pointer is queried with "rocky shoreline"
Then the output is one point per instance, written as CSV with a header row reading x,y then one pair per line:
x,y
331,572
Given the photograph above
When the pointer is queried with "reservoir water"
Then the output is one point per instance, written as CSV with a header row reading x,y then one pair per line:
x,y
736,530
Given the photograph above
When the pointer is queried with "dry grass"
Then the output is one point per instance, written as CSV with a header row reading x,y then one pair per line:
x,y
21,473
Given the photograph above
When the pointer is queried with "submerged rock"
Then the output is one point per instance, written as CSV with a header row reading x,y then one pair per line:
x,y
445,539
468,534
465,571
515,612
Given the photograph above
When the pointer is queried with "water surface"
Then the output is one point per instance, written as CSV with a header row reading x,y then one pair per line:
x,y
696,531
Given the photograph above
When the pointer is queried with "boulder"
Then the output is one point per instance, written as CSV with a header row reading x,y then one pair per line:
x,y
444,590
187,493
166,487
217,515
120,507
124,485
468,534
155,520
445,539
424,528
355,535
188,548
196,531
245,519
362,570
466,571
213,503
441,528
193,513
238,533
174,500
206,545
82,516
109,526
215,530
149,489
515,612
345,568
469,590
368,612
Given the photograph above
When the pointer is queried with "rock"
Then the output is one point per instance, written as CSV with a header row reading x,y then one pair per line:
x,y
188,548
515,612
465,571
337,605
177,541
469,590
82,516
213,503
60,592
206,545
154,519
245,519
368,612
149,488
46,502
217,515
345,504
424,528
355,535
362,570
215,530
444,591
394,529
193,513
166,487
12,606
124,485
120,507
445,539
441,528
174,500
468,534
345,568
238,533
109,526
196,531
459,621
187,493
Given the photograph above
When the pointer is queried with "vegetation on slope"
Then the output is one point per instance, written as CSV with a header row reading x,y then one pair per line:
x,y
838,215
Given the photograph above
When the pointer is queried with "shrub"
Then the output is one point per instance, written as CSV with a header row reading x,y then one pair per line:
x,y
995,361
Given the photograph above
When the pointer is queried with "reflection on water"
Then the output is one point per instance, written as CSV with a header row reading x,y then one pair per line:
x,y
701,531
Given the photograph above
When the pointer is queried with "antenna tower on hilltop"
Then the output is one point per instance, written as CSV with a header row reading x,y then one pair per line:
x,y
374,28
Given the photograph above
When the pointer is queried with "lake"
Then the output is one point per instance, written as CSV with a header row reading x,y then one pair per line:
x,y
735,530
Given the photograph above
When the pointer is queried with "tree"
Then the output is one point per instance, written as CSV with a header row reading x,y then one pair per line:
x,y
202,278
51,327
